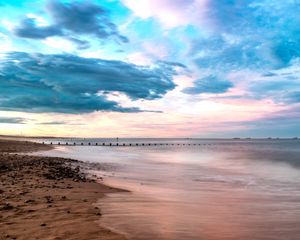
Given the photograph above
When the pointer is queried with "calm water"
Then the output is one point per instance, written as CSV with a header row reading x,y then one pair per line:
x,y
221,189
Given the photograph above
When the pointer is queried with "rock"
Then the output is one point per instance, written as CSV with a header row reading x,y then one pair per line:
x,y
49,199
7,206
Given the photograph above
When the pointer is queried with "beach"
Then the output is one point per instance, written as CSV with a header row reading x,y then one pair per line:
x,y
199,189
47,197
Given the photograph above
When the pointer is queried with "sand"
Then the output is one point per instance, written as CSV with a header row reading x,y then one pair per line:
x,y
47,198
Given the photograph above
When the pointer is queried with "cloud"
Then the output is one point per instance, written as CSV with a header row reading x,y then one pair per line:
x,y
59,123
210,84
72,20
282,85
72,84
53,123
5,42
292,97
12,120
221,54
282,123
247,34
29,29
171,13
251,37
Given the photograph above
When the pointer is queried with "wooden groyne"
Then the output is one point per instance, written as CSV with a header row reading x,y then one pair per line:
x,y
114,144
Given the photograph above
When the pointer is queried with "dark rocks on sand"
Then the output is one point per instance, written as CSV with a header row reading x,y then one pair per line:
x,y
7,206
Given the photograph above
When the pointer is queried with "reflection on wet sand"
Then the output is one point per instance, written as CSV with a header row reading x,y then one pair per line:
x,y
215,194
227,190
212,215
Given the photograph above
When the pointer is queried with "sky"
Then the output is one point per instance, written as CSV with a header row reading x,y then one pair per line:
x,y
150,68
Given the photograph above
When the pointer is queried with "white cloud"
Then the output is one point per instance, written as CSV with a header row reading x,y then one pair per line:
x,y
139,58
156,49
6,44
40,21
60,43
9,25
171,13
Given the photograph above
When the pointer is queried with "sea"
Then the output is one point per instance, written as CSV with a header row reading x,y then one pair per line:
x,y
194,189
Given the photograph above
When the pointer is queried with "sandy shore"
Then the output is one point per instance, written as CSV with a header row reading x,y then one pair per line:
x,y
47,198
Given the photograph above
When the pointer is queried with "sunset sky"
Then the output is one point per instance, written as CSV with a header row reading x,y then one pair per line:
x,y
150,68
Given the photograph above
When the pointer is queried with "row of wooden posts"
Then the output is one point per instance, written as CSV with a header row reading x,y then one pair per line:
x,y
124,144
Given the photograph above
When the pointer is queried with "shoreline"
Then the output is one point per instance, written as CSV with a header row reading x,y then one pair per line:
x,y
48,197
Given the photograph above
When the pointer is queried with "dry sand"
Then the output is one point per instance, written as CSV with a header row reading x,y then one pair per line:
x,y
47,198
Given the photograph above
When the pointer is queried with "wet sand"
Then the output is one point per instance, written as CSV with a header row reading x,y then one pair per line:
x,y
47,198
223,191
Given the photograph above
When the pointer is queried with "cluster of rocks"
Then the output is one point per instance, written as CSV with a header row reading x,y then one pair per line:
x,y
62,171
48,167
4,167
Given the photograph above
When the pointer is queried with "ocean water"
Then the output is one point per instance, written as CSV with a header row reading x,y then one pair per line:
x,y
215,189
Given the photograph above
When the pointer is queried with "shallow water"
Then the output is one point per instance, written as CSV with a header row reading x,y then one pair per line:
x,y
222,189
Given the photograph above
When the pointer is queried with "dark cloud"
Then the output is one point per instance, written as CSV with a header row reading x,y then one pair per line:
x,y
173,64
210,84
71,84
12,120
292,97
29,29
58,123
287,49
81,44
72,20
83,18
53,123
